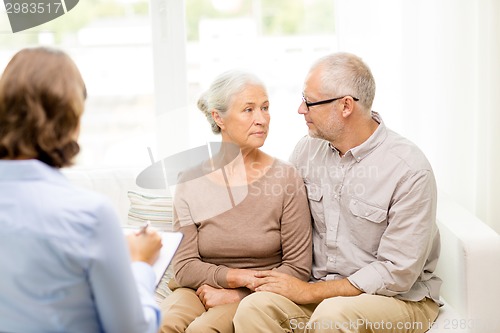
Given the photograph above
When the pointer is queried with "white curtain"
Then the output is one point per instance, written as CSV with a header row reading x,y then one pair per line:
x,y
437,68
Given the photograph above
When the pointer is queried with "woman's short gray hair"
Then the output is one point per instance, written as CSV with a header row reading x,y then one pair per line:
x,y
221,92
346,74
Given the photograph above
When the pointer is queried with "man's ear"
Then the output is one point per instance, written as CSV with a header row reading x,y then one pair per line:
x,y
217,118
348,106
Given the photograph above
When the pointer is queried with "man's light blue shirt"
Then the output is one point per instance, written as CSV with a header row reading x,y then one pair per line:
x,y
64,262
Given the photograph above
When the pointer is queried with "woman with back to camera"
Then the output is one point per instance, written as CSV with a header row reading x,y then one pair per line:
x,y
240,211
64,262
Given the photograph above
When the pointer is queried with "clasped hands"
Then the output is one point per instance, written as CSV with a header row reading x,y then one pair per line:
x,y
242,282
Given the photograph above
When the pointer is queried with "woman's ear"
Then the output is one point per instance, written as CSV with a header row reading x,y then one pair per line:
x,y
217,118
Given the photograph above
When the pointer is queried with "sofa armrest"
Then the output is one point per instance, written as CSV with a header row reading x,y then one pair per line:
x,y
470,268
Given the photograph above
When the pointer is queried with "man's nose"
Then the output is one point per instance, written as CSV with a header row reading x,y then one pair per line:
x,y
303,108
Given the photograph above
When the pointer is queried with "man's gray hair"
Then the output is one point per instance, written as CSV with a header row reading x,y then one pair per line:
x,y
346,74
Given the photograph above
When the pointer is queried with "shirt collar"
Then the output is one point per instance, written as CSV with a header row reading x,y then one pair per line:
x,y
28,170
364,149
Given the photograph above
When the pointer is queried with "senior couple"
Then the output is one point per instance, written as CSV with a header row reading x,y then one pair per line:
x,y
348,242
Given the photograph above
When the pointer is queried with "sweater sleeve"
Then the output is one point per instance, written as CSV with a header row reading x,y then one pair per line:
x,y
296,230
278,236
189,269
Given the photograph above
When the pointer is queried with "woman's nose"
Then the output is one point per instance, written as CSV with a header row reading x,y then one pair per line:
x,y
260,118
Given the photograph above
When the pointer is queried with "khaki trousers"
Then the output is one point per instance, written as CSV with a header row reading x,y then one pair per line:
x,y
182,311
269,312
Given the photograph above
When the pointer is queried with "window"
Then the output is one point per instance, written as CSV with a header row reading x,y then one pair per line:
x,y
110,41
276,40
146,63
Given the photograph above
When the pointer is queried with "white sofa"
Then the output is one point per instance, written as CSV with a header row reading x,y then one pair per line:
x,y
470,268
469,264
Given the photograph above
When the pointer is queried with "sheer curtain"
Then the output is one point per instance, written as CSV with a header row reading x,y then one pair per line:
x,y
437,67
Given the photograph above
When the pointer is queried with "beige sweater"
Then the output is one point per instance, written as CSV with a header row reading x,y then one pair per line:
x,y
263,225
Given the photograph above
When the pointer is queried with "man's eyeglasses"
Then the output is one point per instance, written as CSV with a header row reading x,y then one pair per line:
x,y
309,104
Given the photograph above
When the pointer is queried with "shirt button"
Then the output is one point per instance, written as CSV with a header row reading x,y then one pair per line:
x,y
366,214
330,259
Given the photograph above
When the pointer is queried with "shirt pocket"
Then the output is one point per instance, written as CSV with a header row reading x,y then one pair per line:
x,y
369,223
316,205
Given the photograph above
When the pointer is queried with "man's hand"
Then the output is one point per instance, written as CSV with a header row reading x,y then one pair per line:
x,y
211,296
302,292
292,288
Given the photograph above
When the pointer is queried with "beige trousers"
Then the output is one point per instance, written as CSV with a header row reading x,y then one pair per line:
x,y
268,312
182,311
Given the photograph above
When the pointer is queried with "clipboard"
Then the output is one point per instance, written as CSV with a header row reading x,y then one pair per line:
x,y
170,242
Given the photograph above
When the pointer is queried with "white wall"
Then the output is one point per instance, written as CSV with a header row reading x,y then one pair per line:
x,y
437,67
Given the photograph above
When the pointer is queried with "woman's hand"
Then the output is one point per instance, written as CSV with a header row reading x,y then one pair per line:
x,y
211,296
237,278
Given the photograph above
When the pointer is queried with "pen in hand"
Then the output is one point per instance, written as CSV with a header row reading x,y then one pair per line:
x,y
144,244
143,229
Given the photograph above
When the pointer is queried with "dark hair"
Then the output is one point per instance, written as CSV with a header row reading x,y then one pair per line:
x,y
42,97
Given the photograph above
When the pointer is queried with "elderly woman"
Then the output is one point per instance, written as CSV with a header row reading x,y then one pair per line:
x,y
240,212
64,262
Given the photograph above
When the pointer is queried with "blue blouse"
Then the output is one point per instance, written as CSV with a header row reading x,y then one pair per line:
x,y
64,262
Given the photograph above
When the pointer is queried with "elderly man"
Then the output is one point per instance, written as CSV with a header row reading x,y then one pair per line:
x,y
372,195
